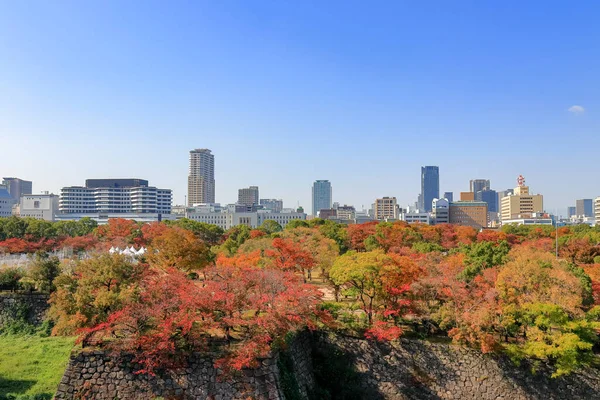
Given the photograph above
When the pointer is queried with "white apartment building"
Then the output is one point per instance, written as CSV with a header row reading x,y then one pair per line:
x,y
115,196
39,206
597,209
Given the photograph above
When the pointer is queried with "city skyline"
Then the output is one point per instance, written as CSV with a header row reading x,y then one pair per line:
x,y
484,91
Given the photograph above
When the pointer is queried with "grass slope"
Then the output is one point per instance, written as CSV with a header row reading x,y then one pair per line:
x,y
32,366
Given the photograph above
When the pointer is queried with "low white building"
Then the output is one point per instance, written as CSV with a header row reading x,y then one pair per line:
x,y
102,218
226,217
416,217
39,206
597,209
440,210
530,219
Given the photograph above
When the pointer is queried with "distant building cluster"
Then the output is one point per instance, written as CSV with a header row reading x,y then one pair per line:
x,y
133,198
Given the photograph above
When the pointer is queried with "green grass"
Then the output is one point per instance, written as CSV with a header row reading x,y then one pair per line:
x,y
32,366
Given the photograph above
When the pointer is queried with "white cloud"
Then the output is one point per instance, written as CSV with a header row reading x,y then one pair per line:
x,y
576,109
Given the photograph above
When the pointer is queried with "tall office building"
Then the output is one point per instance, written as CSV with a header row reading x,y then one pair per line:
x,y
248,196
584,208
479,185
449,196
430,186
17,187
201,178
490,197
321,196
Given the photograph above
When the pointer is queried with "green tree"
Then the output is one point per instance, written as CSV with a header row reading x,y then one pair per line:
x,y
40,229
336,232
270,226
211,234
551,335
14,227
44,271
297,223
482,255
236,236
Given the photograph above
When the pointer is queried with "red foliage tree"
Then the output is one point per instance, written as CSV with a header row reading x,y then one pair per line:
x,y
290,256
80,243
14,246
118,232
251,308
358,233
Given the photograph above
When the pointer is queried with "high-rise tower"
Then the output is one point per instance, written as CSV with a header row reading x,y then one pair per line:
x,y
321,196
479,185
430,186
201,179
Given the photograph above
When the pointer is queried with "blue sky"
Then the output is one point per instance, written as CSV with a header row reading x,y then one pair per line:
x,y
360,93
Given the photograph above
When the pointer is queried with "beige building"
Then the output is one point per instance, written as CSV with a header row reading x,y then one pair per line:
x,y
201,178
467,196
521,202
386,208
469,213
597,209
248,196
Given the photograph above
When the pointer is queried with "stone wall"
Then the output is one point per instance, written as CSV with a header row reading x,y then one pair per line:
x,y
403,370
96,375
415,369
13,304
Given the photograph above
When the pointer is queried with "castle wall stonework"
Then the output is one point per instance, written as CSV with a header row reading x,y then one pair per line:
x,y
12,304
402,370
96,375
422,370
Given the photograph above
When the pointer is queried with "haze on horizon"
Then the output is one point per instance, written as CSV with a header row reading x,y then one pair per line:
x,y
284,94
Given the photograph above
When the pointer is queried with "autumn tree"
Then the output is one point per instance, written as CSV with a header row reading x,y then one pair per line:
x,y
542,302
179,248
323,250
370,277
358,233
118,232
580,250
288,255
249,308
98,287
